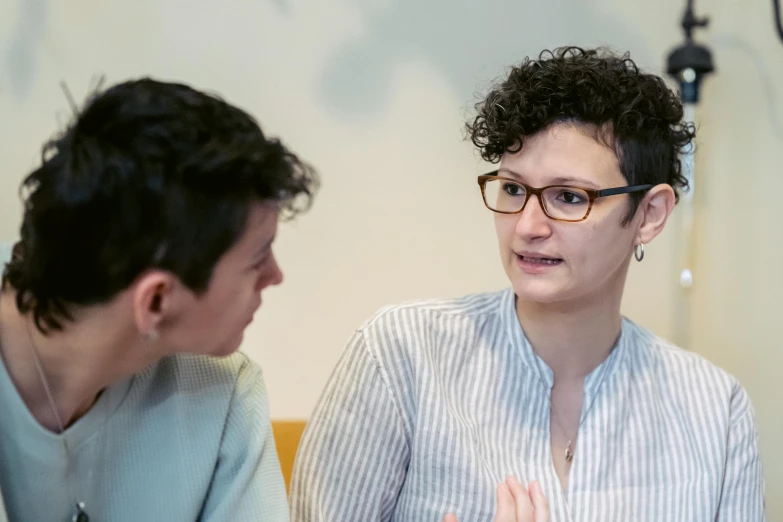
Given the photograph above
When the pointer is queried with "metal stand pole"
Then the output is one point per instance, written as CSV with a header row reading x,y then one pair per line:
x,y
688,64
685,251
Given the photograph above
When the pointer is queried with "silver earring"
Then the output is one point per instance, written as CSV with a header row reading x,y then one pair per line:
x,y
151,335
638,252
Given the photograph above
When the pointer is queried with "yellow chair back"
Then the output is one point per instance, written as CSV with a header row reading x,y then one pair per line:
x,y
287,435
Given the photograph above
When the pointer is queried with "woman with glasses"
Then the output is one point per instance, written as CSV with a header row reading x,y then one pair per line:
x,y
434,404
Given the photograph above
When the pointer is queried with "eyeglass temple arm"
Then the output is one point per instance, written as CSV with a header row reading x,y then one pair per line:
x,y
621,190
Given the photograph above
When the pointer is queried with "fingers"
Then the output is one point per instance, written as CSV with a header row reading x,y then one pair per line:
x,y
515,503
505,512
449,518
523,507
540,503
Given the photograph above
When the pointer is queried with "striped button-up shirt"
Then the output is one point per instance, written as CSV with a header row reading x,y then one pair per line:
x,y
434,403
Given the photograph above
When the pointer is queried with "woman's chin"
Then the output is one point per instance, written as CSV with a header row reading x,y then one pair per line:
x,y
539,292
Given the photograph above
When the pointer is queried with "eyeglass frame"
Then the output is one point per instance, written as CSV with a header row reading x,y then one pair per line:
x,y
592,194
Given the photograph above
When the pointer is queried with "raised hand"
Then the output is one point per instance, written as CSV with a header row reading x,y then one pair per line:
x,y
517,503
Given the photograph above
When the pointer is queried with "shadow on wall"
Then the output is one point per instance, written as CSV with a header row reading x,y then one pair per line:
x,y
468,42
20,58
282,5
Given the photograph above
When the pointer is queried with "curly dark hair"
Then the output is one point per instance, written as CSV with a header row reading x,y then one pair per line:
x,y
637,114
149,175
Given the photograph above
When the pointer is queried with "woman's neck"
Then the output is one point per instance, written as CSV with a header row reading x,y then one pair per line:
x,y
574,338
76,363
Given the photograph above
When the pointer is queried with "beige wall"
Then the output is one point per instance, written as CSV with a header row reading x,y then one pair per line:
x,y
380,115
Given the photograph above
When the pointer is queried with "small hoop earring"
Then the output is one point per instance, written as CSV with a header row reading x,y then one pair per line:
x,y
638,252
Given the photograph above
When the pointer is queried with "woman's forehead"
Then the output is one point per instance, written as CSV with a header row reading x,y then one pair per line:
x,y
563,154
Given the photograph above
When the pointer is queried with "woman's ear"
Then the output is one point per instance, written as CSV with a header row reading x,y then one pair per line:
x,y
152,296
655,209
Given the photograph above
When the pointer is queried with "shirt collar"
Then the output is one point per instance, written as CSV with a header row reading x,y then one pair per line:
x,y
541,370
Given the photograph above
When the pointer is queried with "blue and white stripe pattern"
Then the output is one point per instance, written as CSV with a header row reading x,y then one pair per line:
x,y
433,403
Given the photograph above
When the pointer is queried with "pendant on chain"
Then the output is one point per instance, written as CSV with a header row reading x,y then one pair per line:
x,y
569,453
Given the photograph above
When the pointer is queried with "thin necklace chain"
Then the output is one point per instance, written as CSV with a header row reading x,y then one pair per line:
x,y
80,515
46,387
569,451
